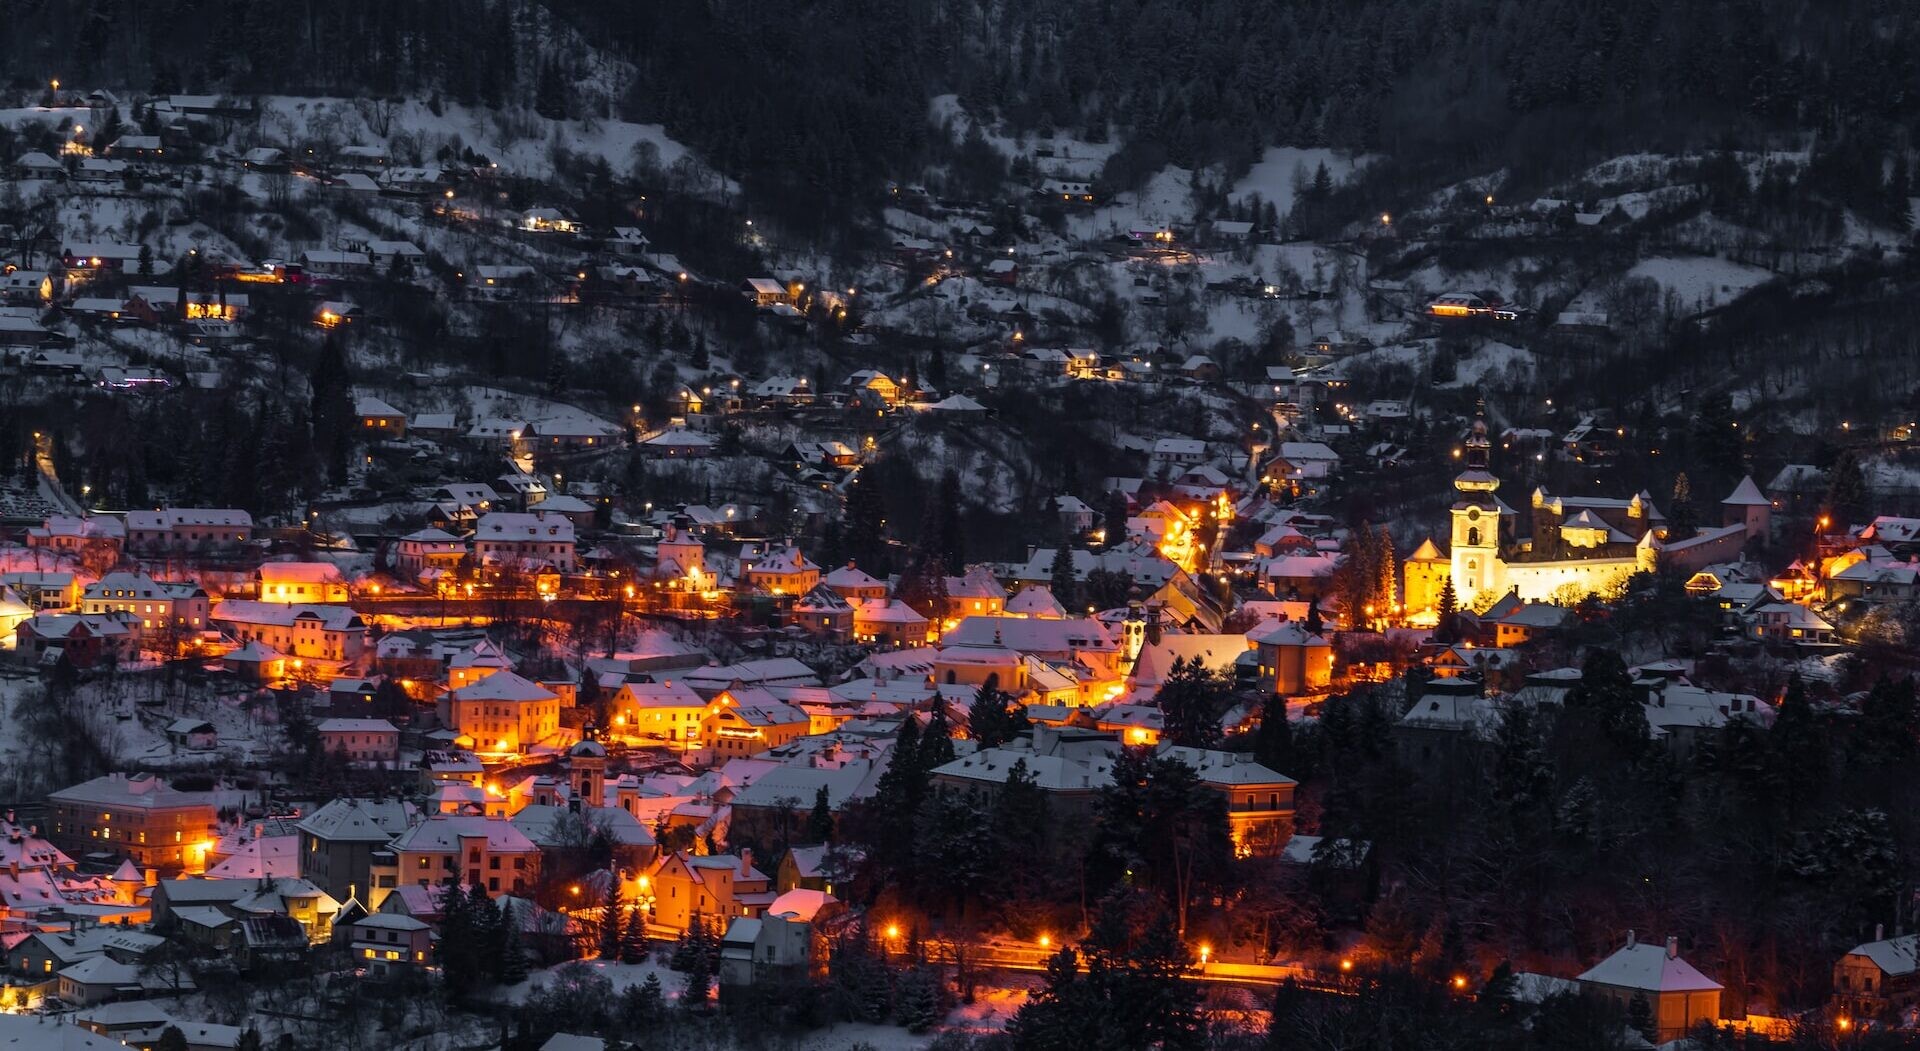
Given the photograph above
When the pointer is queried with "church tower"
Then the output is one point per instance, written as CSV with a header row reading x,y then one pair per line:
x,y
1476,519
587,765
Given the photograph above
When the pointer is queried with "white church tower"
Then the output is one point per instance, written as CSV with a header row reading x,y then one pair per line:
x,y
1476,521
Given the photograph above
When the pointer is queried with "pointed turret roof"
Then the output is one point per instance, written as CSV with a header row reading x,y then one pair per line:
x,y
1428,551
1747,494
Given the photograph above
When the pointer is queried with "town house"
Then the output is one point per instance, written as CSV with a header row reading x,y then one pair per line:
x,y
334,634
140,817
161,607
524,538
472,849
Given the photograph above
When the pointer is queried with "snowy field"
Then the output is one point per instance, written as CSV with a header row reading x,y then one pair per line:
x,y
1283,171
1701,282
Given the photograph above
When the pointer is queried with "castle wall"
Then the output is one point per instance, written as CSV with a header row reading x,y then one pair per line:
x,y
1546,581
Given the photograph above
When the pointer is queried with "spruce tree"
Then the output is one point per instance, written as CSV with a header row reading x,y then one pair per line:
x,y
613,914
1192,700
919,999
633,935
936,742
646,1003
1273,742
820,820
1682,516
1061,580
1640,1016
989,722
699,979
513,955
1847,497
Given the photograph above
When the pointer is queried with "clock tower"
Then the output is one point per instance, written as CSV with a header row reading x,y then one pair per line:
x,y
1476,519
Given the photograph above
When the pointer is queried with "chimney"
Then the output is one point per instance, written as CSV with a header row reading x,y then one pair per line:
x,y
1879,932
1673,946
746,862
1630,938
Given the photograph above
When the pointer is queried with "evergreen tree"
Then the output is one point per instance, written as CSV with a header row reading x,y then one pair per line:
x,y
1273,742
331,411
820,821
1191,701
644,1005
1114,520
1060,575
896,799
513,955
991,721
1717,439
919,1005
699,981
1023,836
1682,516
633,935
613,915
1847,496
1604,699
950,541
866,520
171,1039
460,950
250,1041
936,741
1640,1016
1447,629
1890,721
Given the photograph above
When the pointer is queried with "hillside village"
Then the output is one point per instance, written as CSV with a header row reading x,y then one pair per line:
x,y
470,580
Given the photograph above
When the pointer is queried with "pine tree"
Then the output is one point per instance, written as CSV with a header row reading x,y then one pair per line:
x,y
1447,629
896,798
1114,520
950,541
1847,497
990,722
1060,575
331,411
1273,742
685,947
613,914
936,741
633,936
171,1039
1682,516
459,950
644,1004
1191,702
513,955
820,820
1640,1016
699,978
488,930
250,1041
919,1000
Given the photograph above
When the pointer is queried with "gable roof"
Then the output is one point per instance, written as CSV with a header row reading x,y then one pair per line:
x,y
1648,968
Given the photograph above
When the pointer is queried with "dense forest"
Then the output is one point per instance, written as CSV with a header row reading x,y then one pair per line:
x,y
822,102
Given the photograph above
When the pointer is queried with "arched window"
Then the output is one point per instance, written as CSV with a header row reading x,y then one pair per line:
x,y
1473,537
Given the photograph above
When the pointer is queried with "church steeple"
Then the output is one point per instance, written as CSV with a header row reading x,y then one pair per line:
x,y
1477,478
1476,518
